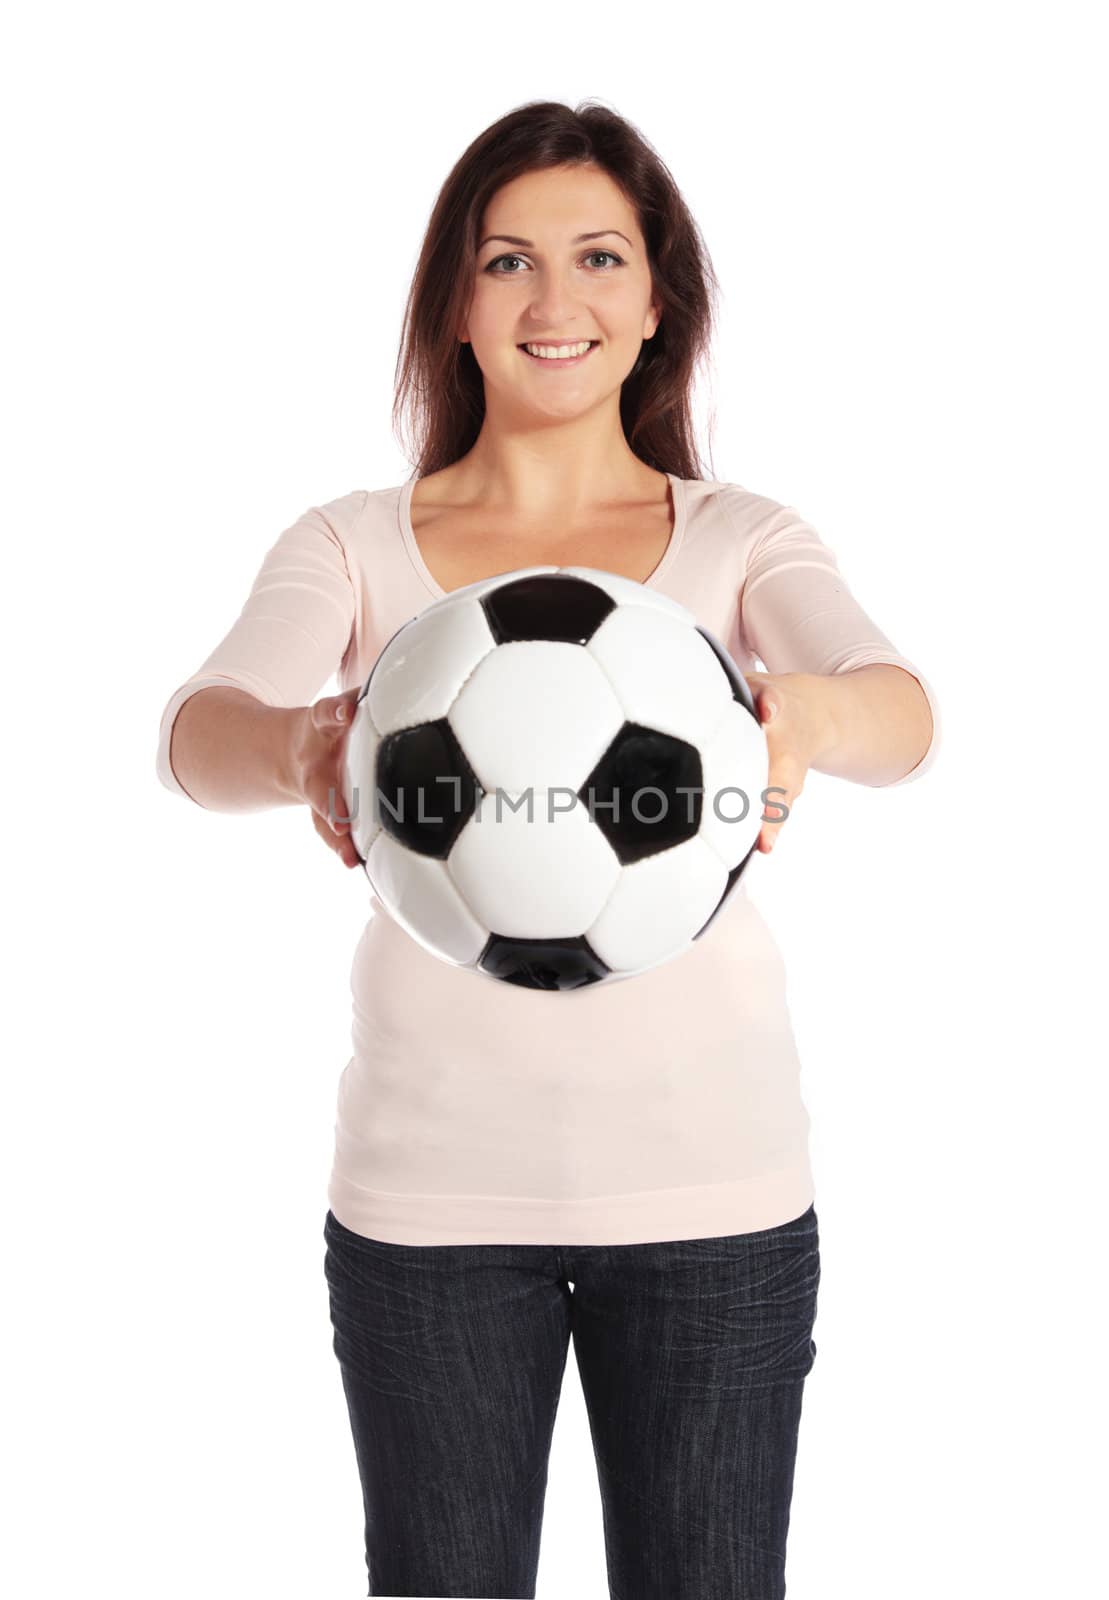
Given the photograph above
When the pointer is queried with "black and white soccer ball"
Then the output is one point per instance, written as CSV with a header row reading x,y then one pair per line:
x,y
556,777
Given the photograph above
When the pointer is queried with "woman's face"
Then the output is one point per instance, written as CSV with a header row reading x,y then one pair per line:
x,y
537,281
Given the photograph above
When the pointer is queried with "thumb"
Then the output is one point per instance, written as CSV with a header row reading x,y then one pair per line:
x,y
757,683
343,707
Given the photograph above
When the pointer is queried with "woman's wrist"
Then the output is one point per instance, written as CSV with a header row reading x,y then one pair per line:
x,y
290,746
232,752
874,723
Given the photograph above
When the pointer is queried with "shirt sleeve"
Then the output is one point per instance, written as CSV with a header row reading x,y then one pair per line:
x,y
796,614
293,630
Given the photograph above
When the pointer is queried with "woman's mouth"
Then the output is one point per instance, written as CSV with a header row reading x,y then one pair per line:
x,y
554,362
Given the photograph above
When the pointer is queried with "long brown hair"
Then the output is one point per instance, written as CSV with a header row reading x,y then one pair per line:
x,y
438,383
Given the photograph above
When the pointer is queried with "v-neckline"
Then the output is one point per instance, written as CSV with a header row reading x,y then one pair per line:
x,y
423,571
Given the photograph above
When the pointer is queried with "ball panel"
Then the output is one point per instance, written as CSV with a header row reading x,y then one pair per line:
x,y
537,873
658,906
483,586
419,893
359,756
425,790
626,592
554,607
735,886
645,793
419,673
663,672
736,757
536,714
542,963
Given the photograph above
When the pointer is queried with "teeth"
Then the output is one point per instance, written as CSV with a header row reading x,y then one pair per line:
x,y
555,353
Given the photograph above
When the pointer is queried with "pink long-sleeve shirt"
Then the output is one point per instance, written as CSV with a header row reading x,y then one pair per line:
x,y
667,1106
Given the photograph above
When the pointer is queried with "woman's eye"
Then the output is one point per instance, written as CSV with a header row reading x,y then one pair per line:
x,y
611,254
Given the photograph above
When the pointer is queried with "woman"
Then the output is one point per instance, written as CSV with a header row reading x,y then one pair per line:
x,y
625,1165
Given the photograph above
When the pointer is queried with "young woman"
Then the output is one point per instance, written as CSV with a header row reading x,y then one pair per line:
x,y
624,1166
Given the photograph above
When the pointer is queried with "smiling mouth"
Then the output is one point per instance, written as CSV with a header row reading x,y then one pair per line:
x,y
560,361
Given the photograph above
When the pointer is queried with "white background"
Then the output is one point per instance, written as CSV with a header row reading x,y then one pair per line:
x,y
213,215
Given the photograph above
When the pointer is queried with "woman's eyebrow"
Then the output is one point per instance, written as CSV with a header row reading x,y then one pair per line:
x,y
529,244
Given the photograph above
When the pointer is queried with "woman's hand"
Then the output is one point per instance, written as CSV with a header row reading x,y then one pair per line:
x,y
319,741
793,714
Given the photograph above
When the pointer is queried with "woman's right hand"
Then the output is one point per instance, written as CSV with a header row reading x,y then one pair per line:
x,y
319,740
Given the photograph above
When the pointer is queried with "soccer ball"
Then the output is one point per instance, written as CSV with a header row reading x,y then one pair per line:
x,y
555,777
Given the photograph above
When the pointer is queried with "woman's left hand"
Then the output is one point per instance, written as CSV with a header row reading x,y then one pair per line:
x,y
793,714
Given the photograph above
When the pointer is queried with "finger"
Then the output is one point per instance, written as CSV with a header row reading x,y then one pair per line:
x,y
315,792
345,706
348,850
329,799
783,786
334,712
342,845
339,811
329,805
325,832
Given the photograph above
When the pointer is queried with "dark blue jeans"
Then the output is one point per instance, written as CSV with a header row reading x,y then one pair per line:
x,y
692,1354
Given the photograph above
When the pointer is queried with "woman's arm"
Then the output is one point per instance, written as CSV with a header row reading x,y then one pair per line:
x,y
878,722
229,752
228,735
877,718
838,696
